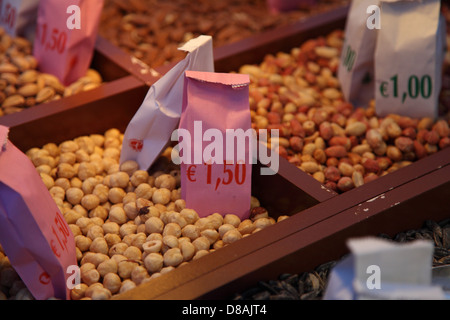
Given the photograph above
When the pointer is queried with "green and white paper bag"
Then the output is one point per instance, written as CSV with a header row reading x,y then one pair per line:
x,y
408,58
356,69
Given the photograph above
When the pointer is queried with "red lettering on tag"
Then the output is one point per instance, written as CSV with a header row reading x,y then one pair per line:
x,y
136,144
8,15
191,172
44,278
61,234
52,40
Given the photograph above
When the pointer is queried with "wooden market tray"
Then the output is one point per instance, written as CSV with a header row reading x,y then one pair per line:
x,y
320,221
313,234
113,105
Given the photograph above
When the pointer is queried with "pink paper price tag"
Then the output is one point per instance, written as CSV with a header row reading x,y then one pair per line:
x,y
33,233
215,143
65,37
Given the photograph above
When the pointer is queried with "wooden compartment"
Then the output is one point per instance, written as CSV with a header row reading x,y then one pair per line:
x,y
162,26
304,241
311,237
112,106
115,110
119,72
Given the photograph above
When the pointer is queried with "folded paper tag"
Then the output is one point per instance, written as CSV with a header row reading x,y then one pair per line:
x,y
65,37
150,129
356,69
18,17
33,233
385,270
408,58
216,143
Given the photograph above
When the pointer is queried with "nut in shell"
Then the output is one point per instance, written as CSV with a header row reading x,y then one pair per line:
x,y
15,100
28,76
90,86
53,82
28,90
258,212
8,68
10,90
94,76
3,84
21,63
30,101
74,88
11,78
32,61
84,80
21,42
45,94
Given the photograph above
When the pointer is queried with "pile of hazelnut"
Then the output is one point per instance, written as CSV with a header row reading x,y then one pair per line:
x,y
129,226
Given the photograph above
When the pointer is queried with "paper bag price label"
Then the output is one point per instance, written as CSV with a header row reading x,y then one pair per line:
x,y
52,40
407,87
233,173
404,84
61,234
65,37
226,174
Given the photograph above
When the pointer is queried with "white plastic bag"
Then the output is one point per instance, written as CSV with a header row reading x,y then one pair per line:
x,y
151,127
